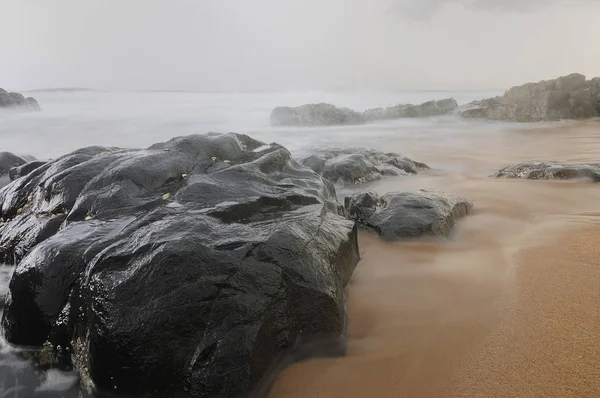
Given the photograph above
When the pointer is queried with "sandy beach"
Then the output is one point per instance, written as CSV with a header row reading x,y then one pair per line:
x,y
509,308
548,344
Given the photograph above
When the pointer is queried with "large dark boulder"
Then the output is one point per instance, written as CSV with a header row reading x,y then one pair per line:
x,y
314,115
17,100
548,170
567,97
189,267
408,214
358,165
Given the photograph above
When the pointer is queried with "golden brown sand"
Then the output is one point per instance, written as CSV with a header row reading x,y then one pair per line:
x,y
509,308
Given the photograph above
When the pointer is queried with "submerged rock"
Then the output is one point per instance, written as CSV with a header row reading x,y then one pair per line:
x,y
17,100
328,115
567,97
188,267
358,165
408,214
547,170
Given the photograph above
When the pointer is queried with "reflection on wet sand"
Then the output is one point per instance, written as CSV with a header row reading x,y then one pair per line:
x,y
509,307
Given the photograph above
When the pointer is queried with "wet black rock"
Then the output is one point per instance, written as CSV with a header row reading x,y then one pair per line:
x,y
359,165
188,267
17,100
548,170
408,214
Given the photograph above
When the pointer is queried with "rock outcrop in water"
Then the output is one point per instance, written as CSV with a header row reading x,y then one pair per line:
x,y
187,267
17,100
408,214
567,97
358,165
314,115
329,115
546,170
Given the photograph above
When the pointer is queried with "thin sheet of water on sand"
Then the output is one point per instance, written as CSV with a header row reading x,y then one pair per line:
x,y
443,319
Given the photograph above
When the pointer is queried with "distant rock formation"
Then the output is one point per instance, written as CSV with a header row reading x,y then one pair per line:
x,y
17,100
567,97
431,108
314,115
329,115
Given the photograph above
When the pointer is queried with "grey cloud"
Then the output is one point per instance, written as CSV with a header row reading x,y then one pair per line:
x,y
294,45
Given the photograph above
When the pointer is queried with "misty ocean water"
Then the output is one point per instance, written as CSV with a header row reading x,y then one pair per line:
x,y
72,120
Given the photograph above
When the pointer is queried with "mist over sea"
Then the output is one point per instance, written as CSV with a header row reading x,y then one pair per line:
x,y
73,119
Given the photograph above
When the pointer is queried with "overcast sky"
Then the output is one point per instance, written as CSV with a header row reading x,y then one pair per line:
x,y
295,44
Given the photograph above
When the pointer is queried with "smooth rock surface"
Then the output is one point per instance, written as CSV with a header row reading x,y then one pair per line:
x,y
567,97
185,268
402,215
328,115
548,170
17,100
358,165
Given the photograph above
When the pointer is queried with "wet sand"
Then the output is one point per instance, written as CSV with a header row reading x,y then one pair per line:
x,y
510,307
549,343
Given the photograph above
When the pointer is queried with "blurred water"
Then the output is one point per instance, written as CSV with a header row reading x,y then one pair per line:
x,y
70,120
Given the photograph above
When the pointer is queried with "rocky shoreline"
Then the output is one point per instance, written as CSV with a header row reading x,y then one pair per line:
x,y
566,97
178,268
195,266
